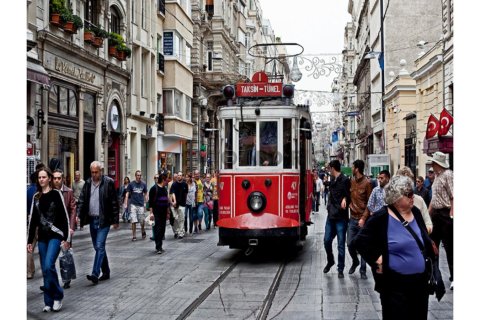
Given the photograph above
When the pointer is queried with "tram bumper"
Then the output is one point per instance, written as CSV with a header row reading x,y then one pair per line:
x,y
251,230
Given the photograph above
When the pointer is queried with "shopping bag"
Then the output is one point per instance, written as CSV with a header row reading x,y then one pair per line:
x,y
67,265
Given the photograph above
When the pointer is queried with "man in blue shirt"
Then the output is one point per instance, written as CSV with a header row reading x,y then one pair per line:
x,y
137,192
377,197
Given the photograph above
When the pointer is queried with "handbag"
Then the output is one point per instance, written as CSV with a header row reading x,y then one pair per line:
x,y
435,283
67,265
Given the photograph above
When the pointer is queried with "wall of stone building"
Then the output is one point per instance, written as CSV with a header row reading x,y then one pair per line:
x,y
406,23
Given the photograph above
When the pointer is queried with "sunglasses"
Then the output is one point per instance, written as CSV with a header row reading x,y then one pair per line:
x,y
409,195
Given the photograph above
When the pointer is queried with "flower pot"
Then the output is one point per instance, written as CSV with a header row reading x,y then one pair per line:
x,y
88,36
97,42
55,19
121,55
69,27
112,51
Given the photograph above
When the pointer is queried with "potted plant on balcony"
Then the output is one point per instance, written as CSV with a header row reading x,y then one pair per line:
x,y
114,39
89,34
100,34
57,7
123,52
67,21
77,23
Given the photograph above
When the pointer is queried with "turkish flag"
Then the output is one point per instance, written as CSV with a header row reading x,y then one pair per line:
x,y
432,126
446,120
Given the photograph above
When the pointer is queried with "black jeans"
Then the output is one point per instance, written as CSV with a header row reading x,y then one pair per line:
x,y
443,231
159,227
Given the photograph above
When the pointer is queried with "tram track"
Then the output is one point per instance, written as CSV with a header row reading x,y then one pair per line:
x,y
263,308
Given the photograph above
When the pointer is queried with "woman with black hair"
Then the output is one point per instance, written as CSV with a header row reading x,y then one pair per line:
x,y
49,214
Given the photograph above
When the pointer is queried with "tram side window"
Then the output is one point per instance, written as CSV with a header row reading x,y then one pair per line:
x,y
228,159
247,136
268,143
287,143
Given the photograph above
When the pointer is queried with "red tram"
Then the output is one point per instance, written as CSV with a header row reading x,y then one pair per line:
x,y
265,177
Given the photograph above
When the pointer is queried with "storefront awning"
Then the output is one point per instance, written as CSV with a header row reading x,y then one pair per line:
x,y
36,73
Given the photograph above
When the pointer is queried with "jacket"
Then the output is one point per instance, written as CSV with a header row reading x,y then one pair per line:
x,y
360,190
372,242
339,189
71,205
109,209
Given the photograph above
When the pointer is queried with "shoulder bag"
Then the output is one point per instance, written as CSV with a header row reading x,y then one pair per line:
x,y
435,282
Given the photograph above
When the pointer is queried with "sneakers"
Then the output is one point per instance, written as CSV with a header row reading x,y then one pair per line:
x,y
451,286
160,251
57,305
340,275
47,309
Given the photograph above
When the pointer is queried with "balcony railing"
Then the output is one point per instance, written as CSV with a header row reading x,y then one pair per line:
x,y
161,62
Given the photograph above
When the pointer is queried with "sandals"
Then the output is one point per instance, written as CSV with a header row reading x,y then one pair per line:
x,y
144,235
134,239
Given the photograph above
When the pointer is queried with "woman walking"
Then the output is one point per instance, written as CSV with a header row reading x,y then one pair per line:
x,y
49,214
208,198
398,263
189,209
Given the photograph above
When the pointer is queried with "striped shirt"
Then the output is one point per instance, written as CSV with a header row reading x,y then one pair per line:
x,y
442,190
94,204
376,200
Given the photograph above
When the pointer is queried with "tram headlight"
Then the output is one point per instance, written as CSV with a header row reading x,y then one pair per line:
x,y
256,201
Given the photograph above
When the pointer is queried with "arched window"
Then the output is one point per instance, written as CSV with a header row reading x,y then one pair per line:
x,y
115,21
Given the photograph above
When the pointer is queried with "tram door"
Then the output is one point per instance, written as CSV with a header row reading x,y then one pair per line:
x,y
303,182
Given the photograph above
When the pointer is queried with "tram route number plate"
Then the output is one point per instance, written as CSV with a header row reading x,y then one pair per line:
x,y
253,89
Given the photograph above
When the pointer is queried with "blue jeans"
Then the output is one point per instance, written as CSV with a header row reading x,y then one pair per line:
x,y
200,212
335,228
49,252
353,230
99,239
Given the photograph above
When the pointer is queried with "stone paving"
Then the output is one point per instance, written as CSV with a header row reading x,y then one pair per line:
x,y
145,285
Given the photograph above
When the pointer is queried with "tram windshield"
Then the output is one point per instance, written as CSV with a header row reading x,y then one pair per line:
x,y
268,143
247,137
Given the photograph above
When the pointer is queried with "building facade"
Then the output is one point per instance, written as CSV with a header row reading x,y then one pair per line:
x,y
81,113
378,49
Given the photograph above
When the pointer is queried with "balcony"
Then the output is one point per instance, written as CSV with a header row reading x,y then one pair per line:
x,y
177,128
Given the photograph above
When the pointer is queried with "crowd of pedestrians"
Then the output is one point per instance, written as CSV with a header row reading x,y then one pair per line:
x,y
384,224
368,216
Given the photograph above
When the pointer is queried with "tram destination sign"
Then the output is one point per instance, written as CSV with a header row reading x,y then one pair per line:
x,y
259,89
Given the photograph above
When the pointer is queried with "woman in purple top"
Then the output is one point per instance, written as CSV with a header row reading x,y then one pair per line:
x,y
398,265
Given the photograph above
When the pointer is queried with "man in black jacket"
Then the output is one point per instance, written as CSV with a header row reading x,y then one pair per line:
x,y
337,219
98,207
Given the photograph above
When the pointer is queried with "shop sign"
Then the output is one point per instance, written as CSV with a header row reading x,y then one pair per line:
x,y
73,71
168,43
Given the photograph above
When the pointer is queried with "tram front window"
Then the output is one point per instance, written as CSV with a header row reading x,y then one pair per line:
x,y
268,143
246,141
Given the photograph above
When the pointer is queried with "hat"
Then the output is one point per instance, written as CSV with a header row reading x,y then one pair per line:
x,y
441,159
431,170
